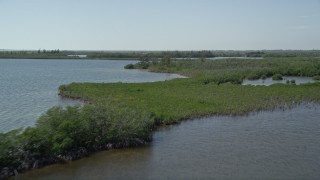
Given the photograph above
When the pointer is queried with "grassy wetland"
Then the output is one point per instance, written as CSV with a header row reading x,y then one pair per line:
x,y
124,114
212,89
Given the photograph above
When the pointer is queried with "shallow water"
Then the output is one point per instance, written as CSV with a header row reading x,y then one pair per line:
x,y
265,145
29,87
218,58
269,81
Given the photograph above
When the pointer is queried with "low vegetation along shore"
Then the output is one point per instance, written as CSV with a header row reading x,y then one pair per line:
x,y
124,114
140,55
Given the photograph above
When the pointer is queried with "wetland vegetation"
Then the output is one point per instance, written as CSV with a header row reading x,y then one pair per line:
x,y
140,55
124,114
213,88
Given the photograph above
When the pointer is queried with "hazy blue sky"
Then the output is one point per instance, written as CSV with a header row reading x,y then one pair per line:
x,y
160,24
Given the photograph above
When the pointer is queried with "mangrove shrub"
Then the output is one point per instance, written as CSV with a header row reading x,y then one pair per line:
x,y
61,130
277,77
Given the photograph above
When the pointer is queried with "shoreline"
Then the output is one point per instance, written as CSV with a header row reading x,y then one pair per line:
x,y
76,154
135,89
89,59
73,155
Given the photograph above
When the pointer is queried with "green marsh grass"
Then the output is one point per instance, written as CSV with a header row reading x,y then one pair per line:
x,y
213,89
126,113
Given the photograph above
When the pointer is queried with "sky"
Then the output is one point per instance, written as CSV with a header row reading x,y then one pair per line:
x,y
159,24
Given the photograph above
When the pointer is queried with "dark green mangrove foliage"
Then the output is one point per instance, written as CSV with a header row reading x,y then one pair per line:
x,y
277,77
62,130
123,114
316,78
130,66
10,145
93,126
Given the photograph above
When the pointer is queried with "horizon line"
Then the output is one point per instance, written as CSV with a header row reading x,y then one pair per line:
x,y
162,50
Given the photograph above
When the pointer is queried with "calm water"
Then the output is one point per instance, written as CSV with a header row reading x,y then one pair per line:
x,y
269,81
217,58
265,145
29,88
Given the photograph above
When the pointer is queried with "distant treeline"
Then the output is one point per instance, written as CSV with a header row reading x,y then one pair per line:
x,y
125,114
156,54
292,53
203,54
39,54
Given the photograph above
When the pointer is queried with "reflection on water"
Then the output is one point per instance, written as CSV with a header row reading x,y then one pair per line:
x,y
269,81
264,145
30,87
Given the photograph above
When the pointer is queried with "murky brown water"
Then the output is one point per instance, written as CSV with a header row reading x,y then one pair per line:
x,y
265,145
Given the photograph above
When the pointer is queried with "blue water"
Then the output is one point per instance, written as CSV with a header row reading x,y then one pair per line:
x,y
29,88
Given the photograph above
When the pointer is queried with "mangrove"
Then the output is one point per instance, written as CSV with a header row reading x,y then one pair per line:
x,y
125,114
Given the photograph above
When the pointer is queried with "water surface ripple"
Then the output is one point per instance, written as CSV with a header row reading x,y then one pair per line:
x,y
29,87
265,145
